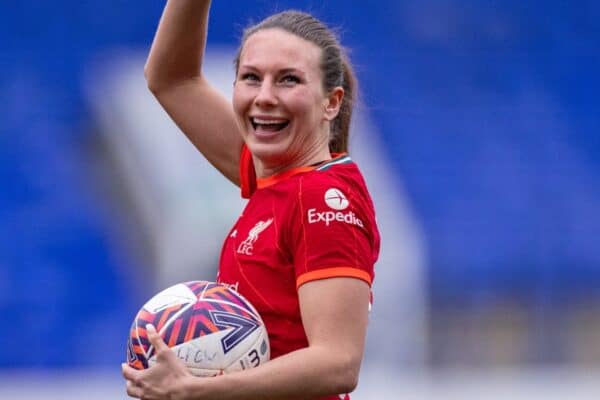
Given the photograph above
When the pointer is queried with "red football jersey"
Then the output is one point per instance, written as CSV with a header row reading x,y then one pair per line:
x,y
301,225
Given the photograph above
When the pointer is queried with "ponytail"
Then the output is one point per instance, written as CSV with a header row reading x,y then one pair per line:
x,y
340,126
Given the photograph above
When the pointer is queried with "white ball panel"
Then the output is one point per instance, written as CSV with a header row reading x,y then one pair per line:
x,y
255,353
174,295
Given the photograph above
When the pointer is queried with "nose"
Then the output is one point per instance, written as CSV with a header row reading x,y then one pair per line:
x,y
266,96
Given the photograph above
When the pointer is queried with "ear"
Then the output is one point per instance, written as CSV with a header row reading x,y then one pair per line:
x,y
333,102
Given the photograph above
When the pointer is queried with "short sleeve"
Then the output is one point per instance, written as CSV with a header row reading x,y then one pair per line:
x,y
333,233
247,173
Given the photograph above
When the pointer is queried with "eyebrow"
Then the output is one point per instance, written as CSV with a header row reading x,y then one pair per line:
x,y
279,72
291,70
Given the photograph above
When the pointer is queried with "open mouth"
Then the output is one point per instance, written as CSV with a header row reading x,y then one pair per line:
x,y
268,126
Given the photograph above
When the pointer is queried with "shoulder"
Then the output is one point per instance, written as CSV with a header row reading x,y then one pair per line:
x,y
335,193
338,177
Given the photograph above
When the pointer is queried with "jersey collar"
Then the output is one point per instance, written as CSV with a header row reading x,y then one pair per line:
x,y
338,158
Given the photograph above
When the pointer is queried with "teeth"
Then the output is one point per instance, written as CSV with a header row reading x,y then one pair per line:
x,y
268,121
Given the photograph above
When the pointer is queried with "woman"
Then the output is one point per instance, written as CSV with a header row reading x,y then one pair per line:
x,y
304,248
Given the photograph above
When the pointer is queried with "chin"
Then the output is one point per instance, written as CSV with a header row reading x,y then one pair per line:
x,y
269,154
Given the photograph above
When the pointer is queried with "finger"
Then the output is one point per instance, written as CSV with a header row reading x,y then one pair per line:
x,y
155,339
129,373
133,390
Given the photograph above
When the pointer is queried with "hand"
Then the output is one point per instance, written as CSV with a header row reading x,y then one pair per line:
x,y
161,381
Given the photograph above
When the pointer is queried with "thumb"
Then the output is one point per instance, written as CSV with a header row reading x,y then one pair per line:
x,y
155,340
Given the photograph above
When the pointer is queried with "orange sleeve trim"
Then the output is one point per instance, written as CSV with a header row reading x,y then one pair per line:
x,y
332,273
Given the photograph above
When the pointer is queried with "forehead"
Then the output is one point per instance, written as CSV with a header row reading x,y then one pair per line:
x,y
276,48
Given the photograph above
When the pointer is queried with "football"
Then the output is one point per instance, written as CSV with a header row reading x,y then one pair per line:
x,y
211,328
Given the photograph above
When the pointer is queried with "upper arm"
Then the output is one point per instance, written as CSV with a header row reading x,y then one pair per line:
x,y
207,119
335,316
326,242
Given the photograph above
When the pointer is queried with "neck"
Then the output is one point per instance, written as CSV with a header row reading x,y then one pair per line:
x,y
266,169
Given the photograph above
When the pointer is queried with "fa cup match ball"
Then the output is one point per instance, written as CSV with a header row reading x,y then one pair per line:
x,y
210,327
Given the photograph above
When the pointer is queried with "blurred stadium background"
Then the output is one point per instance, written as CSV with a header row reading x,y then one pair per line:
x,y
479,134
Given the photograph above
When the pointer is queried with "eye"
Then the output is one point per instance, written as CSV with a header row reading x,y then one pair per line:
x,y
290,79
250,77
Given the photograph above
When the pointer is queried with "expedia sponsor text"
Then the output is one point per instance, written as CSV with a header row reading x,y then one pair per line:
x,y
315,216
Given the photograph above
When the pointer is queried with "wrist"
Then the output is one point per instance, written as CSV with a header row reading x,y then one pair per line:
x,y
184,389
195,387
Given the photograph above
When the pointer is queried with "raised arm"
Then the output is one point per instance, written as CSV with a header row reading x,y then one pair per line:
x,y
174,75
